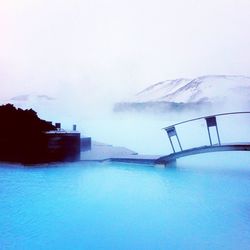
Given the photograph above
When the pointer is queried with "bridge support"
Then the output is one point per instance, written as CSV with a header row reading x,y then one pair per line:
x,y
166,162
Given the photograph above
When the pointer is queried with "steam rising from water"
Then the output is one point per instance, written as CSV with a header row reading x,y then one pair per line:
x,y
141,132
144,134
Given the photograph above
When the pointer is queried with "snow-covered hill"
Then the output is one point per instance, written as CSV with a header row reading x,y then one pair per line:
x,y
214,90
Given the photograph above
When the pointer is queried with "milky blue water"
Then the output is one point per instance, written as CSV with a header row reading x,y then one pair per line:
x,y
203,203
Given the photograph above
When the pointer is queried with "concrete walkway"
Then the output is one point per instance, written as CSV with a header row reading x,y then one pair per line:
x,y
103,152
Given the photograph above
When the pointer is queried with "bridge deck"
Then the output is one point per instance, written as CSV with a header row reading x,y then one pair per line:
x,y
204,149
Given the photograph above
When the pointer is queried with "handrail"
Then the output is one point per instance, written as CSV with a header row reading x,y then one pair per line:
x,y
204,117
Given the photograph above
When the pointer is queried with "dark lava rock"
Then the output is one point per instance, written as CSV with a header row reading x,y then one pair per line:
x,y
22,135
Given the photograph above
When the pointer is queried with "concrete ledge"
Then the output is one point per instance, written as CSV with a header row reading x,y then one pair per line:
x,y
104,152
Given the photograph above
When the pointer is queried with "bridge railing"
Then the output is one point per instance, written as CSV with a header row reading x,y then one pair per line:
x,y
211,121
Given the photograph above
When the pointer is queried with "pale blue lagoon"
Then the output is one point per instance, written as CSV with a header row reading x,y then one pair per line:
x,y
202,203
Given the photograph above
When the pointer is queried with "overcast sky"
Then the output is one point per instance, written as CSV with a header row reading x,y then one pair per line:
x,y
97,50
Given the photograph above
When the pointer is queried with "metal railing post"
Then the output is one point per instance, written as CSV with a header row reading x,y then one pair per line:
x,y
211,122
171,143
172,132
209,135
179,142
218,135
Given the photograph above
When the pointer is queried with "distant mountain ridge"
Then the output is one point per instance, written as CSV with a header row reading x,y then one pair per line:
x,y
29,97
182,94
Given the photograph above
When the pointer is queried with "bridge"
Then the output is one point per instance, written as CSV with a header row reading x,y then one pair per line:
x,y
215,144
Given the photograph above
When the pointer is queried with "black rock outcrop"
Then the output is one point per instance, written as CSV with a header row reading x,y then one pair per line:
x,y
22,135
